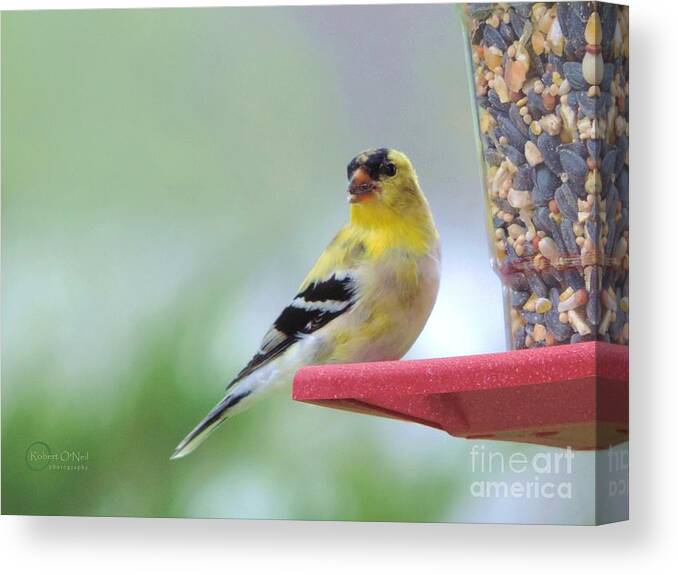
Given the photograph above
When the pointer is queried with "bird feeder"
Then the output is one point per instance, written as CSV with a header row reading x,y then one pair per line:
x,y
550,103
563,396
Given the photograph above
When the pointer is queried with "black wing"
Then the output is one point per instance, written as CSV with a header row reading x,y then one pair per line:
x,y
312,308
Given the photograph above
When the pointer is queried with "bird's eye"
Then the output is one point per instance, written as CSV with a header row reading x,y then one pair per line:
x,y
389,169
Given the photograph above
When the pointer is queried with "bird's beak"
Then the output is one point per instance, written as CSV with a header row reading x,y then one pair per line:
x,y
361,186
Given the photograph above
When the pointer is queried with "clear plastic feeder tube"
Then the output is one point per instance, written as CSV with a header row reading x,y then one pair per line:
x,y
551,100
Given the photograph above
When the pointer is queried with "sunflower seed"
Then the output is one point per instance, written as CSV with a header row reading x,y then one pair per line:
x,y
608,163
547,78
575,46
562,11
479,10
545,185
611,202
523,180
608,20
493,157
505,205
608,74
623,187
507,32
514,135
548,146
492,37
611,237
609,277
477,35
578,148
624,222
590,107
594,146
499,106
542,220
578,189
573,164
518,23
511,255
561,331
518,298
557,237
519,338
515,155
552,278
556,63
622,148
592,306
573,73
568,236
537,285
535,105
567,202
581,11
574,279
532,317
541,198
524,9
592,230
536,65
617,325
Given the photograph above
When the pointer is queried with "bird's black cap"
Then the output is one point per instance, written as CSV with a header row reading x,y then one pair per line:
x,y
375,163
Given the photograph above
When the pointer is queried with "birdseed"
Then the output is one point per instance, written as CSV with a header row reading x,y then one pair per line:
x,y
551,93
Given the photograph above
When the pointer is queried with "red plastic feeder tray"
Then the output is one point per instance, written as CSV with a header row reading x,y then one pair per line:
x,y
569,395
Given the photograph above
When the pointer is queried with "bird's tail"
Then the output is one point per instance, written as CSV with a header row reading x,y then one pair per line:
x,y
211,421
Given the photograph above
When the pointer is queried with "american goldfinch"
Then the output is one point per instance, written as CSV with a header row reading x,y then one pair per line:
x,y
367,298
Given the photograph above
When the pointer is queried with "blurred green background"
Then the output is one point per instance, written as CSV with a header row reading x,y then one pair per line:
x,y
168,178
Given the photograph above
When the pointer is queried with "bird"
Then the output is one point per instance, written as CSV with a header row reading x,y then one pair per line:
x,y
367,297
